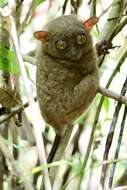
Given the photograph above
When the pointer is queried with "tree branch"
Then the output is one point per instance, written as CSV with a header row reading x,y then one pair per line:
x,y
14,111
103,91
113,95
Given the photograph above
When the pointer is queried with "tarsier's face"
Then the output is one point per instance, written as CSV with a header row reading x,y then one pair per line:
x,y
65,45
66,38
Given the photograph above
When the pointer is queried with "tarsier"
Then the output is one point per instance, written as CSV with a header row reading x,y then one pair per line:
x,y
67,73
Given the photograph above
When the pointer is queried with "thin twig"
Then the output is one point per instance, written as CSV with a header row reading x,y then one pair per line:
x,y
14,111
111,134
8,156
109,27
117,148
27,15
64,6
118,28
29,59
108,143
93,8
116,10
89,2
94,167
105,11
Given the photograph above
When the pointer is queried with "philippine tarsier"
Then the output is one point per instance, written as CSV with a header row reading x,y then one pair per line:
x,y
67,73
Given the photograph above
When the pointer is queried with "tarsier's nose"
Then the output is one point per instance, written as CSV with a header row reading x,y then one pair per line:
x,y
75,55
73,51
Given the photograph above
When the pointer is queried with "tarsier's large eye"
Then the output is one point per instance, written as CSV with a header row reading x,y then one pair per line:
x,y
81,39
61,44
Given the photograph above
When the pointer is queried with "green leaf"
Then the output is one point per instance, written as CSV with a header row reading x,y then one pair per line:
x,y
45,166
82,118
106,104
37,2
53,164
95,34
9,143
2,3
8,60
76,165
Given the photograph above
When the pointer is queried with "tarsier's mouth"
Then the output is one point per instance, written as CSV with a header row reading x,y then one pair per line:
x,y
69,60
72,59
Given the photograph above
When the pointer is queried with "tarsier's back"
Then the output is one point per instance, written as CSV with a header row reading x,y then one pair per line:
x,y
67,75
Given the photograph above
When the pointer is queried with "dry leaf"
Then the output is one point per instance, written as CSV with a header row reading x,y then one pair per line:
x,y
8,98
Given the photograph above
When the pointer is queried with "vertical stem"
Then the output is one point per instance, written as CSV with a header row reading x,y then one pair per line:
x,y
109,143
116,11
37,132
117,148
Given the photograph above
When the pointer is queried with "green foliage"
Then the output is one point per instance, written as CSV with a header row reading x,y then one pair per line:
x,y
106,104
37,2
53,164
7,142
76,165
8,60
2,3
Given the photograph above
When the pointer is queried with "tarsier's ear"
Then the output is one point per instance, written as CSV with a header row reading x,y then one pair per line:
x,y
43,36
90,23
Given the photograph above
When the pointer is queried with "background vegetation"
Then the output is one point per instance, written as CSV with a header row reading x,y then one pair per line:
x,y
97,156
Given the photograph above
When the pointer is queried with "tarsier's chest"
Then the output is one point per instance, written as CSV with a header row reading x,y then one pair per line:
x,y
55,88
56,81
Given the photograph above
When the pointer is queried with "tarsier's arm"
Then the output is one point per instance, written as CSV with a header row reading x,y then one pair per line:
x,y
86,89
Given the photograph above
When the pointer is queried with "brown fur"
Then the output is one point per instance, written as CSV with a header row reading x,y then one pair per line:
x,y
67,81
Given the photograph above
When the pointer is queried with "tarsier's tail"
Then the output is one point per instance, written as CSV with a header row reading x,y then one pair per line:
x,y
54,148
57,151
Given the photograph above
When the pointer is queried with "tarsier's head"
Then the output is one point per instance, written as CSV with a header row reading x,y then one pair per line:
x,y
67,37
